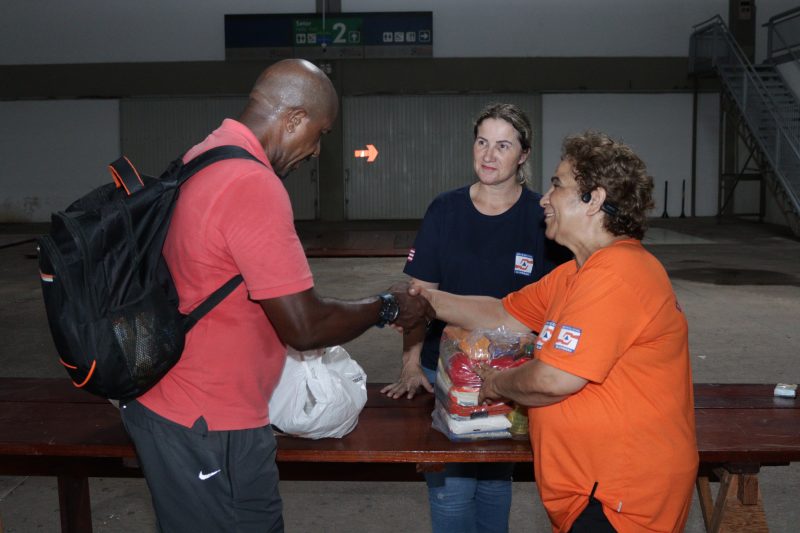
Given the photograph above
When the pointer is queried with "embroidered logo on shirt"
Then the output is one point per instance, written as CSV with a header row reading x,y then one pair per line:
x,y
546,334
568,338
523,264
204,477
411,253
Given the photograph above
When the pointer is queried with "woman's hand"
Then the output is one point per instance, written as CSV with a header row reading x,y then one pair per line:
x,y
488,393
414,310
411,379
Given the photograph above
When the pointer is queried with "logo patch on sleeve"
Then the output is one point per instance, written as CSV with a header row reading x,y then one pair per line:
x,y
546,334
568,338
523,264
411,253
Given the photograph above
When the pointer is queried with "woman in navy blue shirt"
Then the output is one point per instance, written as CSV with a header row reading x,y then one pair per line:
x,y
483,239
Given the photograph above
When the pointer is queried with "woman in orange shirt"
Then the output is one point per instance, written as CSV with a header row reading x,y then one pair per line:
x,y
610,387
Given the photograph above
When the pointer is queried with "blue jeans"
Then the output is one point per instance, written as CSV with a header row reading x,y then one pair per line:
x,y
469,497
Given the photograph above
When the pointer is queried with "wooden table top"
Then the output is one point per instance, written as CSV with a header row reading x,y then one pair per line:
x,y
49,417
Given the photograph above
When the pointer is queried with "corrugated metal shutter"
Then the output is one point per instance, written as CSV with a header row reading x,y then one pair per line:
x,y
157,130
424,147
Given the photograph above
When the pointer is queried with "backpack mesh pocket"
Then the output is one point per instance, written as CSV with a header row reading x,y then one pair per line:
x,y
149,334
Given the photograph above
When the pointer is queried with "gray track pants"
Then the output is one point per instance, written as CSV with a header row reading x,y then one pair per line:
x,y
201,480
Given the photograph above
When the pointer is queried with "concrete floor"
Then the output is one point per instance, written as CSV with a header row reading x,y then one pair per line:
x,y
738,282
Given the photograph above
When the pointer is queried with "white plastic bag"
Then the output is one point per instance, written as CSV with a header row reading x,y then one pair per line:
x,y
319,396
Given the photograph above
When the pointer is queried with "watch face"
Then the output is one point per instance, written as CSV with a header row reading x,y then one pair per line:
x,y
394,310
390,309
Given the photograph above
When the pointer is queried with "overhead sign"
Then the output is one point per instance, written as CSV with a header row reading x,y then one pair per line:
x,y
343,35
336,31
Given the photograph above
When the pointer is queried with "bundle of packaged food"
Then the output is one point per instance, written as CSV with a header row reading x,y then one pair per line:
x,y
457,413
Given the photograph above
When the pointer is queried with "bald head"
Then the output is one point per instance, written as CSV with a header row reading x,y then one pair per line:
x,y
293,84
291,105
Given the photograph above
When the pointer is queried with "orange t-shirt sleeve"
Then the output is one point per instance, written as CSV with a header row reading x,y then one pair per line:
x,y
600,320
529,304
597,321
255,220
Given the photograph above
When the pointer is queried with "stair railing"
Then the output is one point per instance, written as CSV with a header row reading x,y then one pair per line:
x,y
779,29
713,47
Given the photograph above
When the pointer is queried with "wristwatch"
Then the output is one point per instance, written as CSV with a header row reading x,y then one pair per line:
x,y
389,309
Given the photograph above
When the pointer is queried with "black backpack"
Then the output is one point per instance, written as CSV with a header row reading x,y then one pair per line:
x,y
110,300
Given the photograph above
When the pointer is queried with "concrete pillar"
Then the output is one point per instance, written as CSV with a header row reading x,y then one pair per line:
x,y
331,180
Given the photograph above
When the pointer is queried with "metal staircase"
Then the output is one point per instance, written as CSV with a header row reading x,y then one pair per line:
x,y
764,109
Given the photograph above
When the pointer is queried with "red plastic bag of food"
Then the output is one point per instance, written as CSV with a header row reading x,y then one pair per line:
x,y
462,350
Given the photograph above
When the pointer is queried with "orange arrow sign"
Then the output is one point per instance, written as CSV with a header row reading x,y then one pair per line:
x,y
370,153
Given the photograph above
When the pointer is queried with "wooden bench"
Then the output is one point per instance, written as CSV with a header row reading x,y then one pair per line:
x,y
49,428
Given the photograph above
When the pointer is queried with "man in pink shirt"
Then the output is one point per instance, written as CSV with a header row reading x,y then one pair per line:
x,y
202,433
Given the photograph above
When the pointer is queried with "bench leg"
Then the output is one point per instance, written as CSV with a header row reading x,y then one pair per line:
x,y
738,506
706,501
73,500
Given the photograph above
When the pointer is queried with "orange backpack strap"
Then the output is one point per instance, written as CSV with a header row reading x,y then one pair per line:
x,y
125,175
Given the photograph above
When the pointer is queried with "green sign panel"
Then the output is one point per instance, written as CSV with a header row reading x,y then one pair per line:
x,y
336,32
341,36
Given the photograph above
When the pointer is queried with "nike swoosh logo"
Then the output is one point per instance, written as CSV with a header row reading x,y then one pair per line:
x,y
204,477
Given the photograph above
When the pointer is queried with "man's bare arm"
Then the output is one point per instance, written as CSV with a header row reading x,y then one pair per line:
x,y
306,321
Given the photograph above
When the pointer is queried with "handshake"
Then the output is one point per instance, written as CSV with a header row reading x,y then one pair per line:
x,y
413,306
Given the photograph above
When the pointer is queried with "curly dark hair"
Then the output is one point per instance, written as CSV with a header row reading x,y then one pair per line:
x,y
600,161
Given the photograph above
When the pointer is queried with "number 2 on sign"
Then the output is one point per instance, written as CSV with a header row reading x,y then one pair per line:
x,y
341,29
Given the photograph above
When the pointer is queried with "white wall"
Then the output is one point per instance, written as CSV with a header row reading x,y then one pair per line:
x,y
558,28
80,136
97,31
52,152
707,171
100,31
659,129
791,73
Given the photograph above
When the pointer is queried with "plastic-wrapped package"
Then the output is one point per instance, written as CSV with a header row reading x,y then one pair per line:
x,y
475,425
442,422
461,351
460,367
462,402
486,345
458,386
